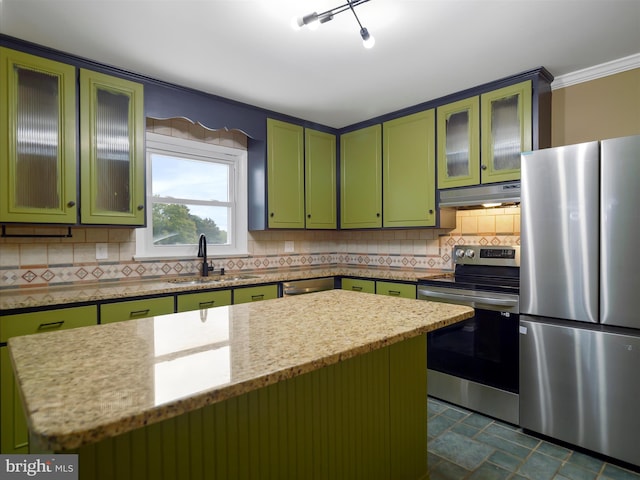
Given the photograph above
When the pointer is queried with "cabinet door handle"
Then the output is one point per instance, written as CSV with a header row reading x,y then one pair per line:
x,y
50,326
394,292
430,211
378,214
309,215
356,288
140,207
272,214
207,304
71,203
257,297
139,313
484,167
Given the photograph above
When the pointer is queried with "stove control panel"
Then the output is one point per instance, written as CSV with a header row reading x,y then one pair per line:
x,y
486,255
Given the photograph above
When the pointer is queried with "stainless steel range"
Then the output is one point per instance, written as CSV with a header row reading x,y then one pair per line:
x,y
474,363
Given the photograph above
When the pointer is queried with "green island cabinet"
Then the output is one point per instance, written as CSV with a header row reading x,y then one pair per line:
x,y
112,157
361,178
200,300
320,180
37,139
254,294
408,159
480,138
39,168
135,309
14,436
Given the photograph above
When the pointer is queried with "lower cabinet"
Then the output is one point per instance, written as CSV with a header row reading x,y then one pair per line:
x,y
394,289
358,285
198,301
254,294
135,309
14,436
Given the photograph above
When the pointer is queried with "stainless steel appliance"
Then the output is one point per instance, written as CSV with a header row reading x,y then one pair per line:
x,y
580,275
474,363
299,287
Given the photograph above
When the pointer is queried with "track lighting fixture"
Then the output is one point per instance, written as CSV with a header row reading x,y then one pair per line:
x,y
313,20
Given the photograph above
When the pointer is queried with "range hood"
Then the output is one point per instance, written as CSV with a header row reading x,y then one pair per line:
x,y
483,194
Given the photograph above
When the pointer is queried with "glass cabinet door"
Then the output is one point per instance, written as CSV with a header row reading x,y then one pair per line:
x,y
459,143
37,139
112,150
506,131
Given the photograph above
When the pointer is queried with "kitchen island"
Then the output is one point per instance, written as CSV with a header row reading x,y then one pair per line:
x,y
325,385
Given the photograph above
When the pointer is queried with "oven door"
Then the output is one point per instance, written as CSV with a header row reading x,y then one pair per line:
x,y
484,348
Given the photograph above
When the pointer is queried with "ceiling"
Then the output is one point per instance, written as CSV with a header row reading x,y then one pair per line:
x,y
246,50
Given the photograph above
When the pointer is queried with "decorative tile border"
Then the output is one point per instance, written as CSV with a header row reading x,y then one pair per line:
x,y
438,257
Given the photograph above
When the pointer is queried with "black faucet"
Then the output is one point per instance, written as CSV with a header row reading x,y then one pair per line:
x,y
202,252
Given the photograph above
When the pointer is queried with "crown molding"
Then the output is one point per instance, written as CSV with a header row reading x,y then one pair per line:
x,y
597,71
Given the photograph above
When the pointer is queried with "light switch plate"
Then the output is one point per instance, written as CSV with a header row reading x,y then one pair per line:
x,y
288,246
102,251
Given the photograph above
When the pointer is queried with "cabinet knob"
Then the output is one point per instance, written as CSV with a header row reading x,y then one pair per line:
x,y
272,214
378,214
140,207
484,167
71,204
430,211
308,215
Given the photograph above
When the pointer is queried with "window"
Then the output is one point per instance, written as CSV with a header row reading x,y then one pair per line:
x,y
193,188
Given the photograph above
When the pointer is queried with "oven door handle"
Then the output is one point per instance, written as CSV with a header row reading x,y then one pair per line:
x,y
471,300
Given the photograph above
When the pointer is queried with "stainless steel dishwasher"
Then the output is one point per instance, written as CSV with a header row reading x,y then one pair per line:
x,y
300,287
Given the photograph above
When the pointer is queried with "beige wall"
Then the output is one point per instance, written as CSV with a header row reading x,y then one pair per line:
x,y
607,107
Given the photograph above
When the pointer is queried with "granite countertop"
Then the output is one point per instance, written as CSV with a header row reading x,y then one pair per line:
x,y
11,299
86,384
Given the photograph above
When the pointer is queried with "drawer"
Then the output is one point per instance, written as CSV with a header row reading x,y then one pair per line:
x,y
134,309
198,301
47,321
396,289
358,285
254,294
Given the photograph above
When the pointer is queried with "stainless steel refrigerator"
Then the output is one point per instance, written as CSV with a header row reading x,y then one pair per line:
x,y
580,295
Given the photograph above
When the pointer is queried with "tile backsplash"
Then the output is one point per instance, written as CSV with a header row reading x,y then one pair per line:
x,y
58,261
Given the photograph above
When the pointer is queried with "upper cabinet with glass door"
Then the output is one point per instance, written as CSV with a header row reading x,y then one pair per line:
x,y
459,143
480,138
112,150
506,131
37,140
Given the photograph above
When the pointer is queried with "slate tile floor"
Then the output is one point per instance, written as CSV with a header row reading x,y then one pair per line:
x,y
464,445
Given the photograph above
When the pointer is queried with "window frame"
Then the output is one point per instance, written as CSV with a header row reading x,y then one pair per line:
x,y
237,233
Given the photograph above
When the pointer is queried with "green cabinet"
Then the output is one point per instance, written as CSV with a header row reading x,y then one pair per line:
x,y
254,294
409,190
14,436
459,143
112,158
480,138
361,178
359,285
200,300
396,289
135,309
320,180
506,131
37,140
39,124
285,174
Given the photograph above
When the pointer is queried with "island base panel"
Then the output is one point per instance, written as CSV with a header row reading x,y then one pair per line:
x,y
363,418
